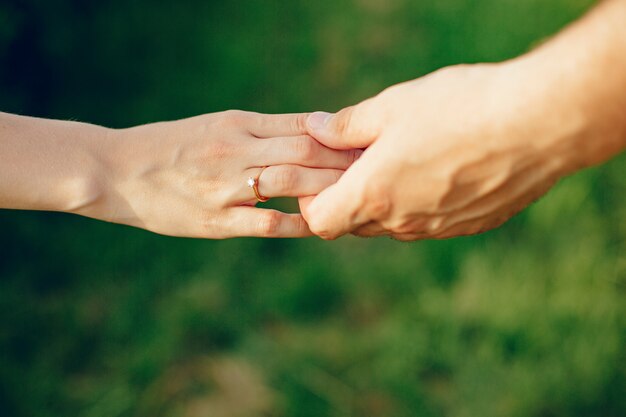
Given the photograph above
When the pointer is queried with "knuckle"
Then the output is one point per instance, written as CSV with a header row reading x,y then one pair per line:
x,y
269,224
234,117
306,148
343,120
299,122
436,226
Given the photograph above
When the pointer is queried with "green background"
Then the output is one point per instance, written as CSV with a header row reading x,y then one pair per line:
x,y
101,320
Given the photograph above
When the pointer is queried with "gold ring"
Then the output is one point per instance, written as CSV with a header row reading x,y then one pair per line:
x,y
254,184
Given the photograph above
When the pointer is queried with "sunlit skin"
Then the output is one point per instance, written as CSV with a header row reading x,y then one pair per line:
x,y
454,153
460,151
180,178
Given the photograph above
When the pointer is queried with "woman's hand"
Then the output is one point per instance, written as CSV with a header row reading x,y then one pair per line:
x,y
183,178
189,177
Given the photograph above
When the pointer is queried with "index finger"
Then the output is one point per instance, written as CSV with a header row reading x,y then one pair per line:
x,y
275,125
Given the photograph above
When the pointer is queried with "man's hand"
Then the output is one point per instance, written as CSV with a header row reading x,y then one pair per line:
x,y
454,153
462,150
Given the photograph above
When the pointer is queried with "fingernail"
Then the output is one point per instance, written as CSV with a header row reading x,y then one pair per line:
x,y
319,120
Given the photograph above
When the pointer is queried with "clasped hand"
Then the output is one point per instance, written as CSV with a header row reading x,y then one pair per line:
x,y
189,177
457,152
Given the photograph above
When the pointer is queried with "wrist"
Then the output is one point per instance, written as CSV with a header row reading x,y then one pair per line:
x,y
91,190
565,120
579,79
115,188
532,122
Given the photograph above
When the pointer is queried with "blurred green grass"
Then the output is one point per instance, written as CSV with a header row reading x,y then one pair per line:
x,y
102,320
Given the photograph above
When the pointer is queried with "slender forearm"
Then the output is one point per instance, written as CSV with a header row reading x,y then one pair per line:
x,y
182,178
49,164
583,71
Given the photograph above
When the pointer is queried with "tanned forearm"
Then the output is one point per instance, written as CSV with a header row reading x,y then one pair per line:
x,y
584,69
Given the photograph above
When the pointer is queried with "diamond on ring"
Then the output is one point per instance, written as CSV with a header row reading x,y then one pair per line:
x,y
253,182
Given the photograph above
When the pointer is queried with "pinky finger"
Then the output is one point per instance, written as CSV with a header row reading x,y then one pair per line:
x,y
408,237
258,222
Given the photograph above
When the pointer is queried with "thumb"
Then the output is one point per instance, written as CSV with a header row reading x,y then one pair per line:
x,y
353,127
339,208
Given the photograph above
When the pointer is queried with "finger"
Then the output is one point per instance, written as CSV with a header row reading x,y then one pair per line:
x,y
291,181
371,229
340,208
258,222
275,125
322,223
296,181
304,203
353,127
302,150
